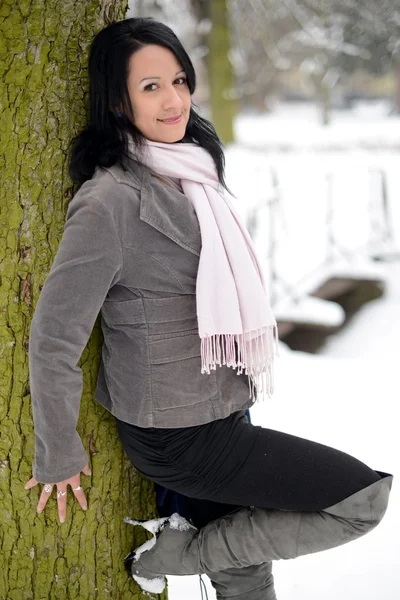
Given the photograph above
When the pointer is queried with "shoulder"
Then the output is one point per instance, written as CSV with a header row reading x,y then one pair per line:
x,y
111,186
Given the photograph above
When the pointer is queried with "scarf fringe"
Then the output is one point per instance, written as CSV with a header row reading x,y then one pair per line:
x,y
252,352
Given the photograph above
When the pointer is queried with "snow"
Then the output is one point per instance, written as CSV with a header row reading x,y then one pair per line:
x,y
179,523
298,127
347,395
154,586
315,214
379,319
309,309
152,525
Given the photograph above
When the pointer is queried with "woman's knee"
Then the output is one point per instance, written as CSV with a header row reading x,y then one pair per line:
x,y
365,509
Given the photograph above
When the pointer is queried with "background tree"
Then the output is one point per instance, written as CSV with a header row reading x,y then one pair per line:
x,y
220,72
326,40
374,28
256,29
275,37
43,99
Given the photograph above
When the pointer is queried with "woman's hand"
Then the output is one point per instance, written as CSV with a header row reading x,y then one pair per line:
x,y
75,484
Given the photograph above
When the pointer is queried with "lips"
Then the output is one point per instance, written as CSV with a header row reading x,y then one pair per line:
x,y
171,120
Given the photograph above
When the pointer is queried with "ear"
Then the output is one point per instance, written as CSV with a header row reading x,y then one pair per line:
x,y
117,112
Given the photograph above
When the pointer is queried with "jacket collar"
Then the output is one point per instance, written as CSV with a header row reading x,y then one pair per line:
x,y
161,206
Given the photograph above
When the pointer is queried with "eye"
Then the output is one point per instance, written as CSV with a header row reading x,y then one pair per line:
x,y
182,80
147,87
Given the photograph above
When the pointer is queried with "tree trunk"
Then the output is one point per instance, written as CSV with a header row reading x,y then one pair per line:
x,y
322,94
396,99
43,86
220,72
325,100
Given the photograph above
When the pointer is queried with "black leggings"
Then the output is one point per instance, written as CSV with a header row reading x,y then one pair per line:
x,y
230,462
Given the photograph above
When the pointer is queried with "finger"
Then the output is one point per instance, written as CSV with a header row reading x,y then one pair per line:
x,y
44,496
62,503
80,496
86,470
30,484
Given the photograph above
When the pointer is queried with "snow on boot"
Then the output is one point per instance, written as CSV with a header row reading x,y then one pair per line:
x,y
166,532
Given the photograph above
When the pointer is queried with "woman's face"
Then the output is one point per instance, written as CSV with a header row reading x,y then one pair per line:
x,y
159,94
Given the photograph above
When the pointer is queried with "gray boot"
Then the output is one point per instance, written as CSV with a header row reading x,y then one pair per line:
x,y
252,536
176,532
255,582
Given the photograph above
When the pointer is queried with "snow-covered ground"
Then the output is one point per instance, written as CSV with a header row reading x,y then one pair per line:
x,y
346,396
297,127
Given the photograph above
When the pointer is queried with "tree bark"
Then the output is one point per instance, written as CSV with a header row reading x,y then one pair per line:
x,y
220,72
43,89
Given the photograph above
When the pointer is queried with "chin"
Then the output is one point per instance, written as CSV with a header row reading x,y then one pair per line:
x,y
174,136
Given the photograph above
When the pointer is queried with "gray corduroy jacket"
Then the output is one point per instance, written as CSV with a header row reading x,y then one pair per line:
x,y
130,250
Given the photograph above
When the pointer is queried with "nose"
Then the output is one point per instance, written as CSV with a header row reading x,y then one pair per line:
x,y
172,100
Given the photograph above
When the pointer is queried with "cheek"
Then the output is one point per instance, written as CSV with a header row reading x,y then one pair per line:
x,y
145,112
187,101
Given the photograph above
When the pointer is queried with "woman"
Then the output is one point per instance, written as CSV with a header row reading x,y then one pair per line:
x,y
152,241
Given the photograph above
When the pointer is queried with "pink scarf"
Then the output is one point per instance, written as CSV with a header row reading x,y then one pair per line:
x,y
235,320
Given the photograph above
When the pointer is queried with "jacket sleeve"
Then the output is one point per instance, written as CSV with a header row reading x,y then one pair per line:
x,y
88,262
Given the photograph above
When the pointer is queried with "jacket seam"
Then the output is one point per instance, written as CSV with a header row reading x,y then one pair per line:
x,y
149,368
150,371
158,410
115,227
217,395
162,229
160,263
123,181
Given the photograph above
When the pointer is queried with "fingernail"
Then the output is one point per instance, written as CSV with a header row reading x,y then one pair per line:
x,y
89,472
26,487
84,507
62,519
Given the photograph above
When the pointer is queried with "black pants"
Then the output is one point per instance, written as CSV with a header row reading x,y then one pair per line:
x,y
230,462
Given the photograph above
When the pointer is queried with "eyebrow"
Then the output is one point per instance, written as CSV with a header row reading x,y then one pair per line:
x,y
181,71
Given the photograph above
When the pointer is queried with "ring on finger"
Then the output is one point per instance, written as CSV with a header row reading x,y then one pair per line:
x,y
60,493
47,488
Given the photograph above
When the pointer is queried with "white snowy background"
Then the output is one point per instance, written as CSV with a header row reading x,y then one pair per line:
x,y
346,396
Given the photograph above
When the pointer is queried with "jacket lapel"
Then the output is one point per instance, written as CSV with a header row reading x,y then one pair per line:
x,y
169,211
164,208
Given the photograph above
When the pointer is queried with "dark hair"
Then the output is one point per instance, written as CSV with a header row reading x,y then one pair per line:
x,y
104,141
